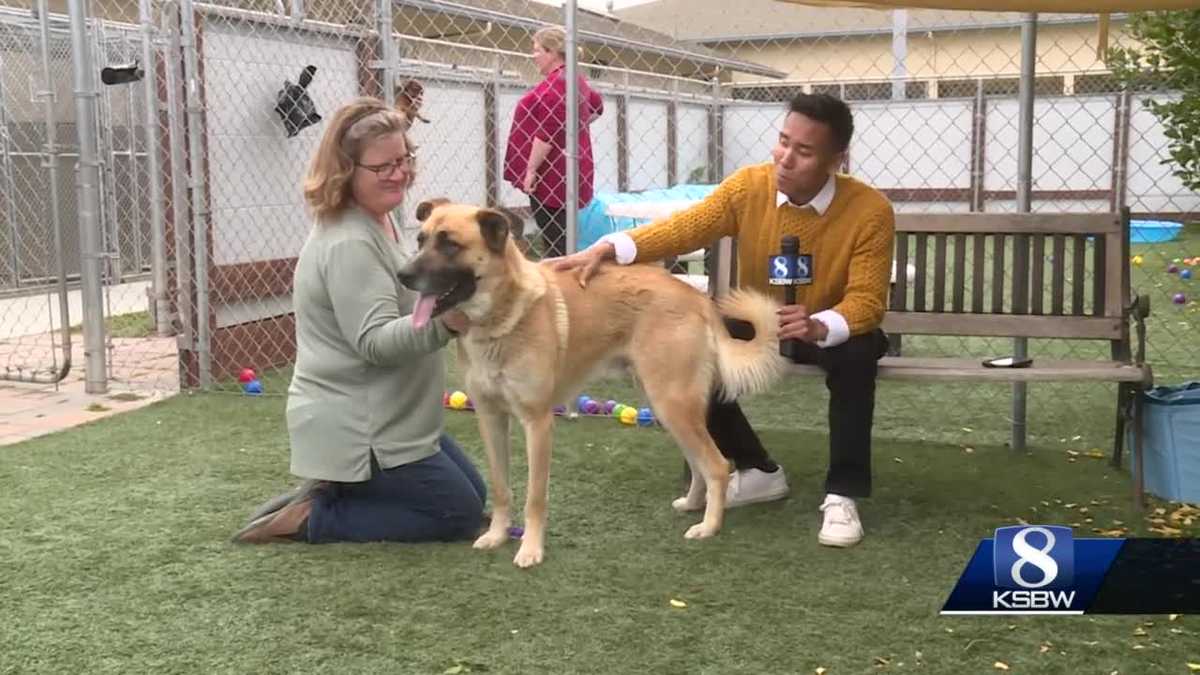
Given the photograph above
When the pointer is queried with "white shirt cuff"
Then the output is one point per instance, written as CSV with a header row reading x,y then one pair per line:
x,y
623,243
839,330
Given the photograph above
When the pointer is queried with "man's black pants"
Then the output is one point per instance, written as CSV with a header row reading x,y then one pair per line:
x,y
850,373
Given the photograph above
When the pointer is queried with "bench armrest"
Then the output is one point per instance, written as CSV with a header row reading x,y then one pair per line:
x,y
1138,310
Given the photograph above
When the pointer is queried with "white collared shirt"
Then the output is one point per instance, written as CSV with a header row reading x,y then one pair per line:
x,y
820,203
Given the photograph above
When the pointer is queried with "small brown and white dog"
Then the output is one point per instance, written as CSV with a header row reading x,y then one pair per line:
x,y
410,96
537,336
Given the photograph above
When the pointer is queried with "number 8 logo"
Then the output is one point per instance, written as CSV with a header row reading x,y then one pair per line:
x,y
781,266
1028,555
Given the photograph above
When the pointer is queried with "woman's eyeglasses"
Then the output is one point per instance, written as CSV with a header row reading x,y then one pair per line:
x,y
384,170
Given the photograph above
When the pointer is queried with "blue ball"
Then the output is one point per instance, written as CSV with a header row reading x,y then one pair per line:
x,y
581,402
1185,274
253,387
645,417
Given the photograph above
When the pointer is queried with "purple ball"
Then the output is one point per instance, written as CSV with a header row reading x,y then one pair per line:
x,y
609,406
560,409
591,407
515,532
1179,298
1172,269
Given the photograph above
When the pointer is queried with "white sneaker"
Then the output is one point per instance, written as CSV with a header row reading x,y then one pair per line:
x,y
754,485
842,527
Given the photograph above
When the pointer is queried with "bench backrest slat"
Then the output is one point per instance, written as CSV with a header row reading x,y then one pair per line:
x,y
1058,274
980,259
1038,285
960,271
1079,265
1002,283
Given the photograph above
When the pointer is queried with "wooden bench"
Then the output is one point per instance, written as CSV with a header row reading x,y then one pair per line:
x,y
1016,276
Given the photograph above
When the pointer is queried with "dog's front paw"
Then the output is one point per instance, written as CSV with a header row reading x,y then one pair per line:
x,y
699,531
491,539
686,504
528,556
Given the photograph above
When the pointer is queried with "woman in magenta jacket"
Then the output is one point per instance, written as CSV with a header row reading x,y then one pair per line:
x,y
535,162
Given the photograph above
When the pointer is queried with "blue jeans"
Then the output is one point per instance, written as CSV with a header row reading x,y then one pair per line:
x,y
439,498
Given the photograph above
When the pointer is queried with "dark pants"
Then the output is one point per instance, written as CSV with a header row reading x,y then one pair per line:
x,y
439,498
552,223
850,371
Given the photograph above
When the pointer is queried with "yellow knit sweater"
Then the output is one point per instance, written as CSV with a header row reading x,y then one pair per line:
x,y
851,244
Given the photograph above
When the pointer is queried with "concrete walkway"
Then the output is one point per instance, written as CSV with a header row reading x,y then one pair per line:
x,y
140,370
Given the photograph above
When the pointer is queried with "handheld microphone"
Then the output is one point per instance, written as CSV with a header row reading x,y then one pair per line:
x,y
789,269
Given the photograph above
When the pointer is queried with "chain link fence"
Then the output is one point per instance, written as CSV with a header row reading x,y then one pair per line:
x,y
202,214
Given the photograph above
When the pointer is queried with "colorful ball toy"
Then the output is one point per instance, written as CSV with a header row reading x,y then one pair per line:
x,y
1185,274
458,400
253,387
629,416
1179,299
1138,260
645,417
1172,269
247,375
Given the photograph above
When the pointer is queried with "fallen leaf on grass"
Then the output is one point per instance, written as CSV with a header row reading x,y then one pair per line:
x,y
1000,665
1193,667
880,661
1167,531
1073,453
1045,648
820,671
1116,532
897,460
1139,631
1096,454
1173,617
678,603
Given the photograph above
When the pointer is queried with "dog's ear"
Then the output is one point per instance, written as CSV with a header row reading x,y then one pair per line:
x,y
426,207
494,225
516,225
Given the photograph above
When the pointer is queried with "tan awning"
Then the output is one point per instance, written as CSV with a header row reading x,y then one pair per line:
x,y
1101,7
1056,6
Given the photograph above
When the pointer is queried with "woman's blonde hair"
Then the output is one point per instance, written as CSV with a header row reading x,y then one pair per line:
x,y
552,39
327,187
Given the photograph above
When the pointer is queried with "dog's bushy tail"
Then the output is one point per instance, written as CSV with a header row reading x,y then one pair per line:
x,y
748,366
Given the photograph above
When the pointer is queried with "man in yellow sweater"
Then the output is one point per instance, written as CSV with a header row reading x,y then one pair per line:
x,y
848,228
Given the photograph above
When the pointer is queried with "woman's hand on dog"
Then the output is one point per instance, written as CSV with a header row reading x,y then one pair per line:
x,y
795,323
586,261
456,321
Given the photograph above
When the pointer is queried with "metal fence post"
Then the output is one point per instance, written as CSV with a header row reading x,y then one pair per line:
x,y
199,190
158,240
1025,98
52,164
88,188
571,204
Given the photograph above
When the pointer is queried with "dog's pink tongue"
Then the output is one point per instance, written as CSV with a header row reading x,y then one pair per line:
x,y
423,310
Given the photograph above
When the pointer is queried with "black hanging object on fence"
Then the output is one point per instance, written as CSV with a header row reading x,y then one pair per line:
x,y
295,106
121,74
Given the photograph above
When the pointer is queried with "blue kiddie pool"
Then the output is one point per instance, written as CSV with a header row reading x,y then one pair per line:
x,y
1153,231
595,222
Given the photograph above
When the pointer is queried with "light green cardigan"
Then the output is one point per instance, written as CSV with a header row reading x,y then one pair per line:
x,y
364,380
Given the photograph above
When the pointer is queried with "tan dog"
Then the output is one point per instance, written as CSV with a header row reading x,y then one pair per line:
x,y
537,336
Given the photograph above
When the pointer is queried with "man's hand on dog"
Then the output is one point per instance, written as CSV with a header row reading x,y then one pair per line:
x,y
795,323
586,261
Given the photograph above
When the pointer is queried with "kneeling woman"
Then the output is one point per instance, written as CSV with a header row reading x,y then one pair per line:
x,y
364,411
